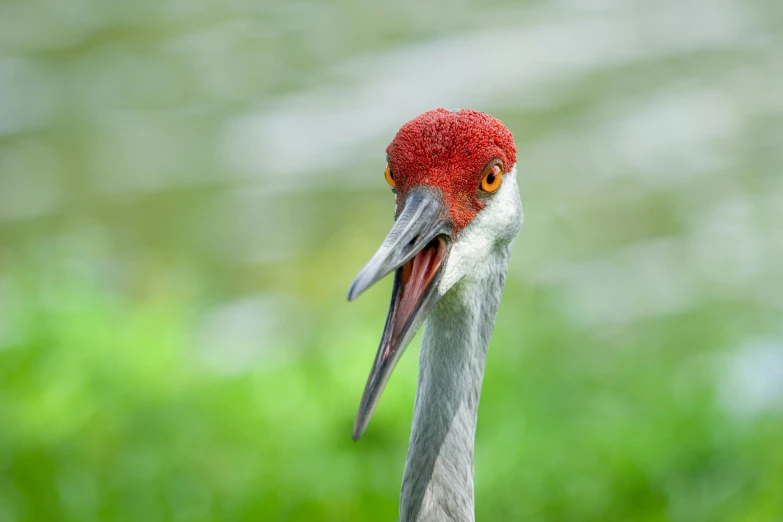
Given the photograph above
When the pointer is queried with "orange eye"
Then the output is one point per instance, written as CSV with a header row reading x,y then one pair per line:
x,y
389,176
492,179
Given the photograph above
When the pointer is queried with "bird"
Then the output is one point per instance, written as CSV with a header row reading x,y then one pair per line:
x,y
458,211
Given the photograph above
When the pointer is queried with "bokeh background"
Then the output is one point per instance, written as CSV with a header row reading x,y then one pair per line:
x,y
187,188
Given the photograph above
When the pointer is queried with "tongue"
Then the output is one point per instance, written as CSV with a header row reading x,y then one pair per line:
x,y
413,288
416,275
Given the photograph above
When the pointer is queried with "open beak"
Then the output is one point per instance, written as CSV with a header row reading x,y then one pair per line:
x,y
416,248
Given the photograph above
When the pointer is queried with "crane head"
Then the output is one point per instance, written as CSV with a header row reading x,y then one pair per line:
x,y
454,176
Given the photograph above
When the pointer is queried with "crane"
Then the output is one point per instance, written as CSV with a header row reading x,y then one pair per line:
x,y
458,211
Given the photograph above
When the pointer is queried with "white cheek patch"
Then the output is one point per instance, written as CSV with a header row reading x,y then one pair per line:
x,y
496,224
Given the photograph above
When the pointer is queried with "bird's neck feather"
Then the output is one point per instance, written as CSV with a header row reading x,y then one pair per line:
x,y
438,478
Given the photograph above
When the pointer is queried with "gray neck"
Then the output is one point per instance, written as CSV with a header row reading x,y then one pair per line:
x,y
438,480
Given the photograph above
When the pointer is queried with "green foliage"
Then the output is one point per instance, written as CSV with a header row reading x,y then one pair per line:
x,y
109,414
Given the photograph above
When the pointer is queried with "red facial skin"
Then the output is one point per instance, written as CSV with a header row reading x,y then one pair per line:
x,y
450,151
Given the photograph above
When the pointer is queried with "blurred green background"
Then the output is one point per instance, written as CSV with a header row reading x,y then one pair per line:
x,y
187,188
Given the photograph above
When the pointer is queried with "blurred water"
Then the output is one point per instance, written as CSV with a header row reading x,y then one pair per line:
x,y
664,96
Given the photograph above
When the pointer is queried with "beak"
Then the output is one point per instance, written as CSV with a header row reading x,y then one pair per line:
x,y
416,248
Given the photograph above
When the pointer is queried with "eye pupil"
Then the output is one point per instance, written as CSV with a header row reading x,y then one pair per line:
x,y
491,178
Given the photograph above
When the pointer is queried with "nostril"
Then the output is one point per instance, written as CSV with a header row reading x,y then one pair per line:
x,y
414,240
